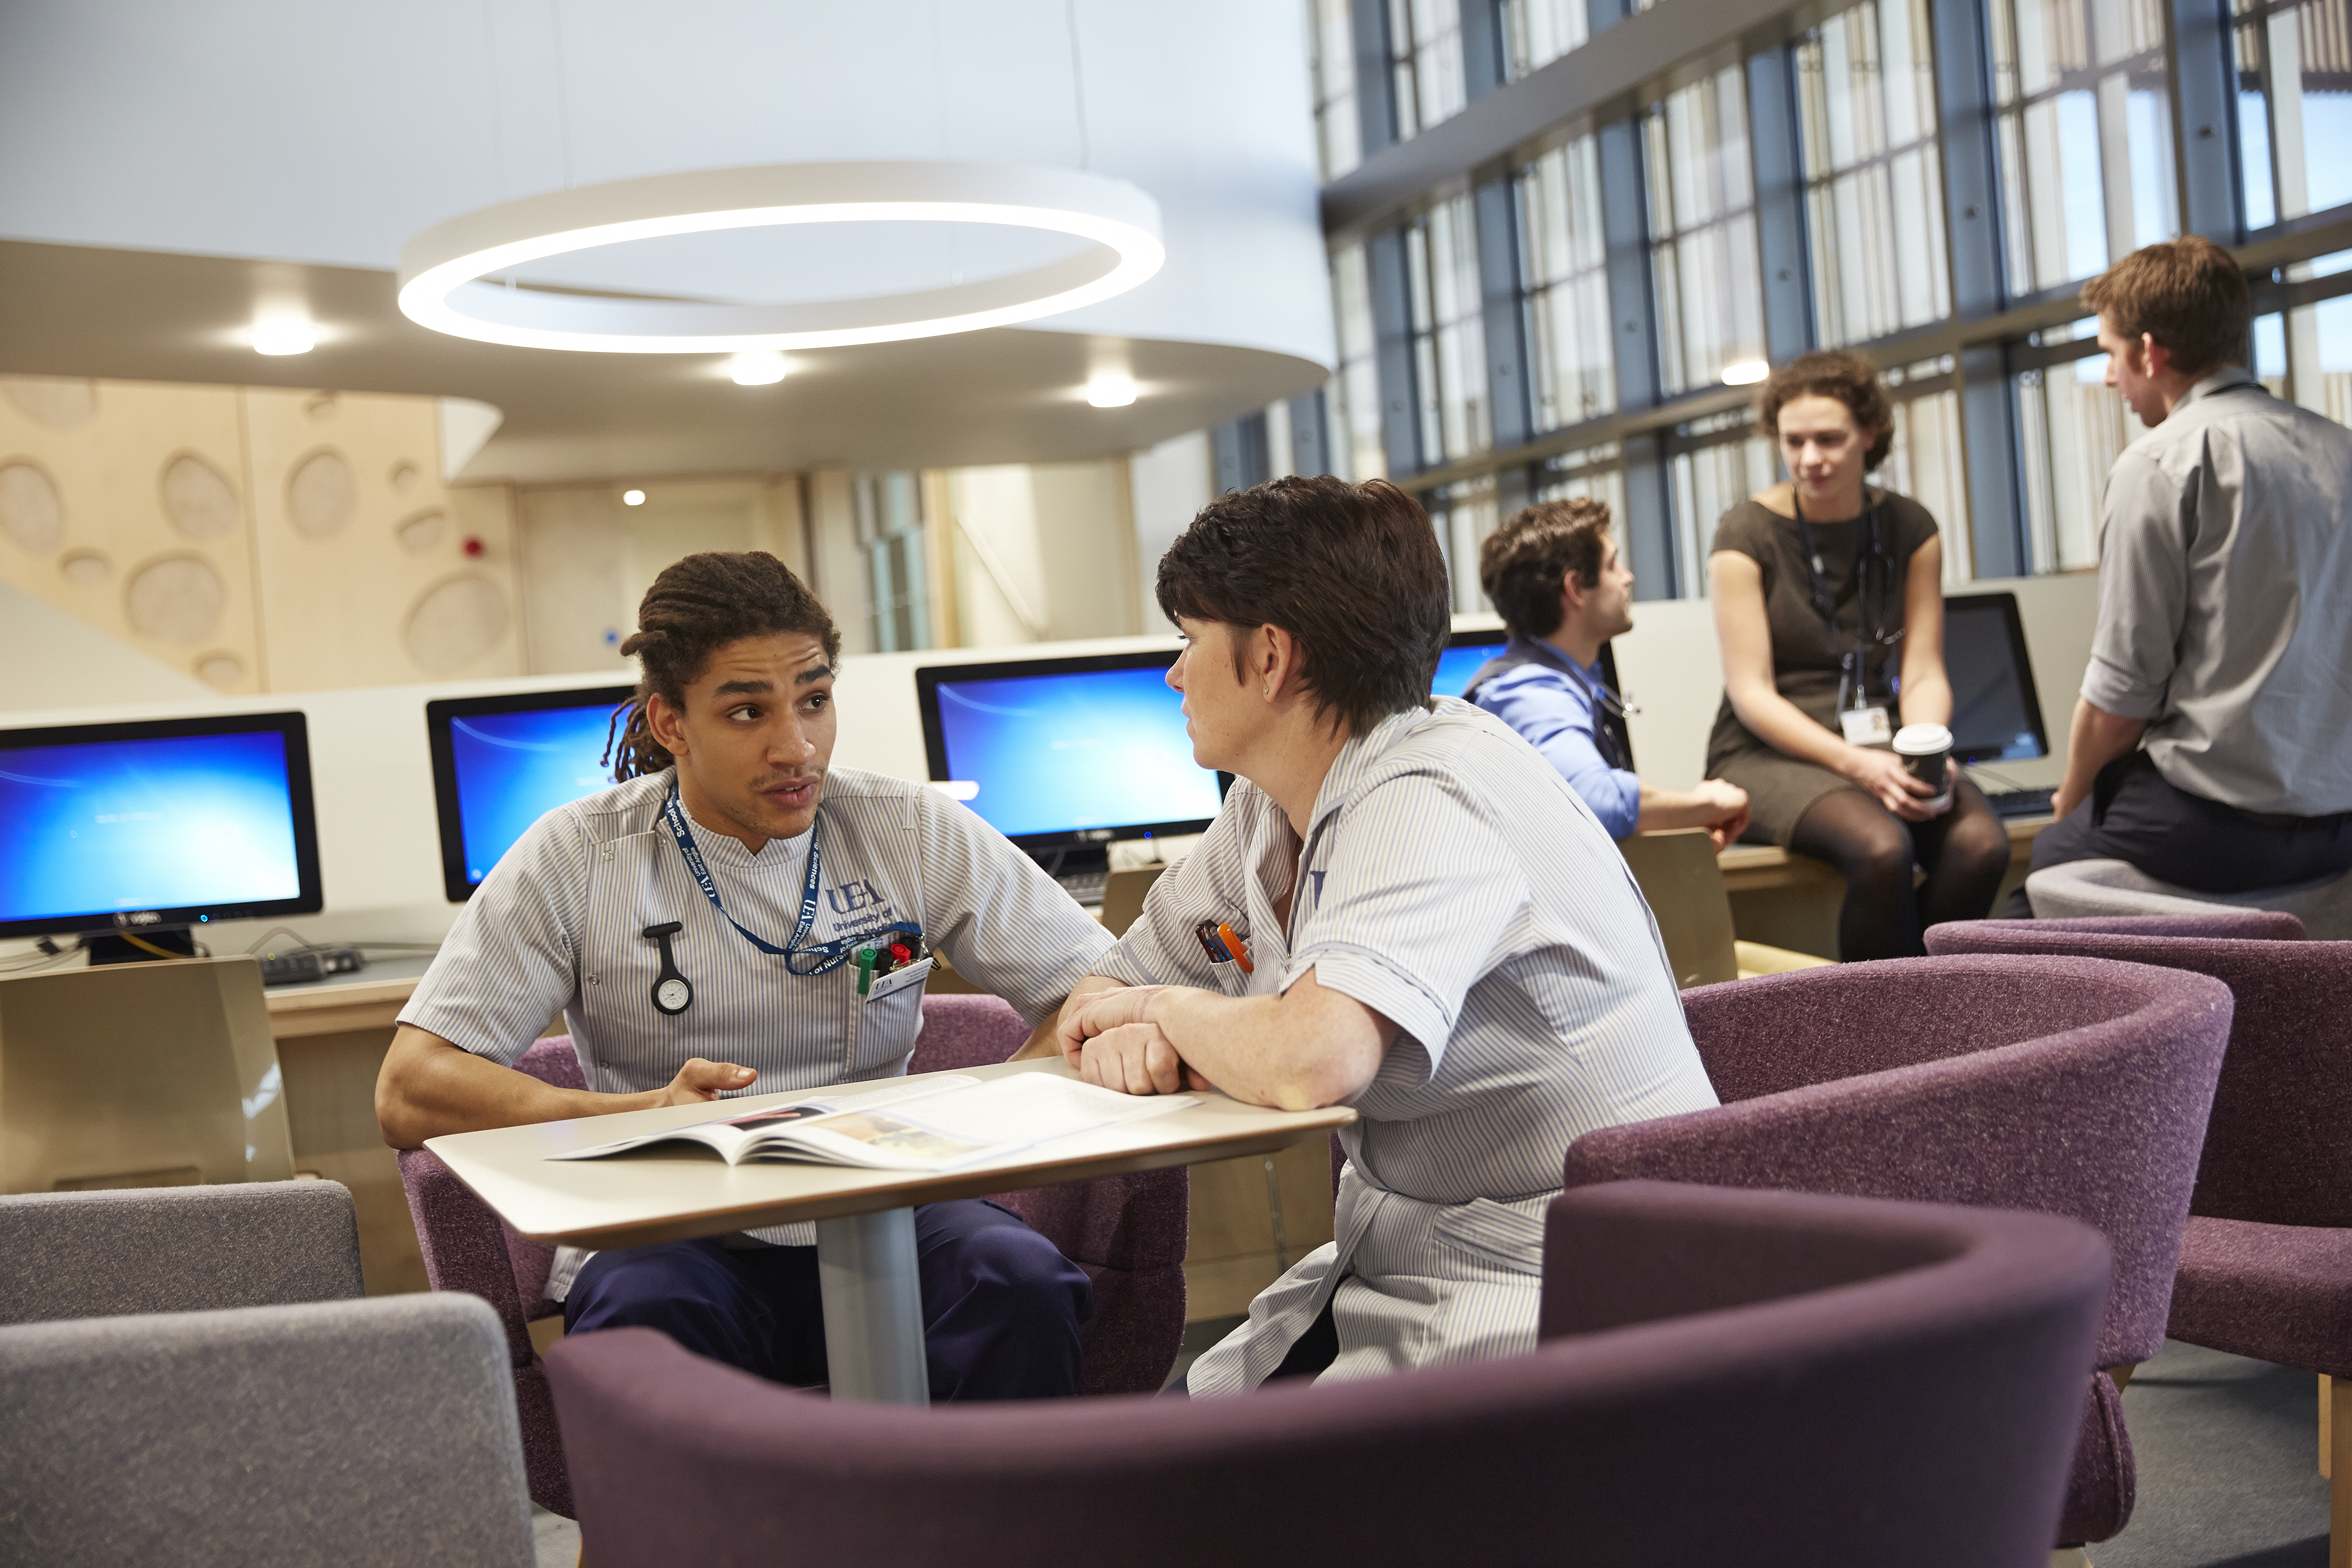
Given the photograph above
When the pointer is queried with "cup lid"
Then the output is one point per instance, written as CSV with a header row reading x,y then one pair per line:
x,y
1922,739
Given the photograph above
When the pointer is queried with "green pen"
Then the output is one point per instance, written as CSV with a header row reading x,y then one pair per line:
x,y
863,959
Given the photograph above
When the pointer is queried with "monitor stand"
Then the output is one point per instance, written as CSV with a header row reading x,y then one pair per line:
x,y
115,947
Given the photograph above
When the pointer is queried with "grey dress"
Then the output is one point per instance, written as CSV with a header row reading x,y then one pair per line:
x,y
1806,663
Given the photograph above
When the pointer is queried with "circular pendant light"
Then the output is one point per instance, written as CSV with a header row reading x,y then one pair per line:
x,y
441,270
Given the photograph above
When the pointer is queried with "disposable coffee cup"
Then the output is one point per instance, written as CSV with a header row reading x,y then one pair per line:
x,y
1927,753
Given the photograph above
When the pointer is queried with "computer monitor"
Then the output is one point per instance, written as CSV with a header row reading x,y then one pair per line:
x,y
500,764
1996,713
1062,753
1466,651
153,826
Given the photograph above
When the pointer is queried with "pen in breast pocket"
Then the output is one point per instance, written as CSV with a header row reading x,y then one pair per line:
x,y
1224,944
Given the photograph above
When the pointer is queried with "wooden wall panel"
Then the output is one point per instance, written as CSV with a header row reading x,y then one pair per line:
x,y
359,584
181,591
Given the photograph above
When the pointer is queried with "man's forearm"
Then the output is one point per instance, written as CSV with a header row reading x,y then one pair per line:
x,y
2095,738
429,1087
1663,809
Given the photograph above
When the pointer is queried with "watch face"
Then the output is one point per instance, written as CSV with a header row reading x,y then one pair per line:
x,y
672,995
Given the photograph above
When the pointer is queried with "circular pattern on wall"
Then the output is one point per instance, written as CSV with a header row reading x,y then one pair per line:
x,y
60,404
198,498
221,668
422,533
404,476
453,623
86,568
32,514
321,494
174,599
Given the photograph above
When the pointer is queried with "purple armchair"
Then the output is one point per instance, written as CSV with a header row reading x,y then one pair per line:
x,y
466,1247
1126,1232
2266,1262
1752,1335
2064,1085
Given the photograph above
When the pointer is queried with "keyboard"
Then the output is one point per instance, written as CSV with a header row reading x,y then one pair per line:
x,y
1086,887
2020,802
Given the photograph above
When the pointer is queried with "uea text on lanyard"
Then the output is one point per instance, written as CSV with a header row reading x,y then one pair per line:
x,y
816,958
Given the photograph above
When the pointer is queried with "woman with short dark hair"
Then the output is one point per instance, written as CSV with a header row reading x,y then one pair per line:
x,y
1401,906
1829,604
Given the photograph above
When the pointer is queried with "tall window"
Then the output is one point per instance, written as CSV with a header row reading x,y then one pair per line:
x,y
1926,461
1538,32
1449,335
1463,515
2070,427
1715,463
2295,106
890,513
2308,355
1702,195
1425,49
2085,111
1564,256
1339,123
1874,187
1354,389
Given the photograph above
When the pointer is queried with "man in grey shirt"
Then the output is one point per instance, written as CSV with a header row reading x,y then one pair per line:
x,y
2212,746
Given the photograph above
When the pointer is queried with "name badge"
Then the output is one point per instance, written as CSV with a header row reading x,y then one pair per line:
x,y
1866,726
898,980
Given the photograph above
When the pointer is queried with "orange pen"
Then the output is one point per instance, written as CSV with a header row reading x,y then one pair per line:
x,y
1236,946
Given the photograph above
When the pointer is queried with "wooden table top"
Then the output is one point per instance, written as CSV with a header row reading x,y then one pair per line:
x,y
680,1191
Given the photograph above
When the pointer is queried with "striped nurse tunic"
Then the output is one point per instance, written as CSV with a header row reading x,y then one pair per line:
x,y
1453,882
559,923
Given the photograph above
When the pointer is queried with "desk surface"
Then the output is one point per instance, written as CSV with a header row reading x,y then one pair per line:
x,y
679,1191
371,999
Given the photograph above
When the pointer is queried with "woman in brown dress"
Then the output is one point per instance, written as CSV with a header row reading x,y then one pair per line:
x,y
1829,603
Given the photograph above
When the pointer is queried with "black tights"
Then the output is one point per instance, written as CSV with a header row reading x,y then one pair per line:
x,y
1965,852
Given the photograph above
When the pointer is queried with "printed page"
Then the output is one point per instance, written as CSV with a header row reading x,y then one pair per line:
x,y
942,1130
733,1136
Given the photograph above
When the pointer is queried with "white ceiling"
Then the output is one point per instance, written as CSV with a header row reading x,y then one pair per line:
x,y
180,146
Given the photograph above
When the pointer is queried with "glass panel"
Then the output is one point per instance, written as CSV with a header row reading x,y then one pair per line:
x,y
2085,135
1425,45
1703,258
1926,463
1721,462
1538,32
1873,186
1331,46
2071,426
1564,256
2294,100
1463,515
1355,390
1449,336
2317,343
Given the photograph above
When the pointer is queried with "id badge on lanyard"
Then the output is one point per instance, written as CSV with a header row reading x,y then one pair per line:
x,y
1866,726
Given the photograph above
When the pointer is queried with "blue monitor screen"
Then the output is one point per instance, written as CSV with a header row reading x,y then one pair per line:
x,y
1057,754
514,768
160,823
1456,666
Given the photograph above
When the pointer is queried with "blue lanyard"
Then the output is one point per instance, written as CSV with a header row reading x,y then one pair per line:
x,y
823,958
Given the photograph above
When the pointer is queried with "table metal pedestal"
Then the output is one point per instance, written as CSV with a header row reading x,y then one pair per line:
x,y
873,1308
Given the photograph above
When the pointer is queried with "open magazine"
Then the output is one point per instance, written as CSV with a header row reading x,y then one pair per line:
x,y
936,1124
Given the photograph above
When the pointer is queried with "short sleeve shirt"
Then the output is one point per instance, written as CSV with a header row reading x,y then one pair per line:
x,y
1807,656
558,926
1454,883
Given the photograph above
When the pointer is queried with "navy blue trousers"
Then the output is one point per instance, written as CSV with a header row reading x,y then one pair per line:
x,y
1002,1306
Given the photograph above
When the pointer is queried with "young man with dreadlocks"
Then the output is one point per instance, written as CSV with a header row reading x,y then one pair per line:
x,y
696,926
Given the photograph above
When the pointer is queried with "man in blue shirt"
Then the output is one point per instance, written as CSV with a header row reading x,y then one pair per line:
x,y
1553,574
